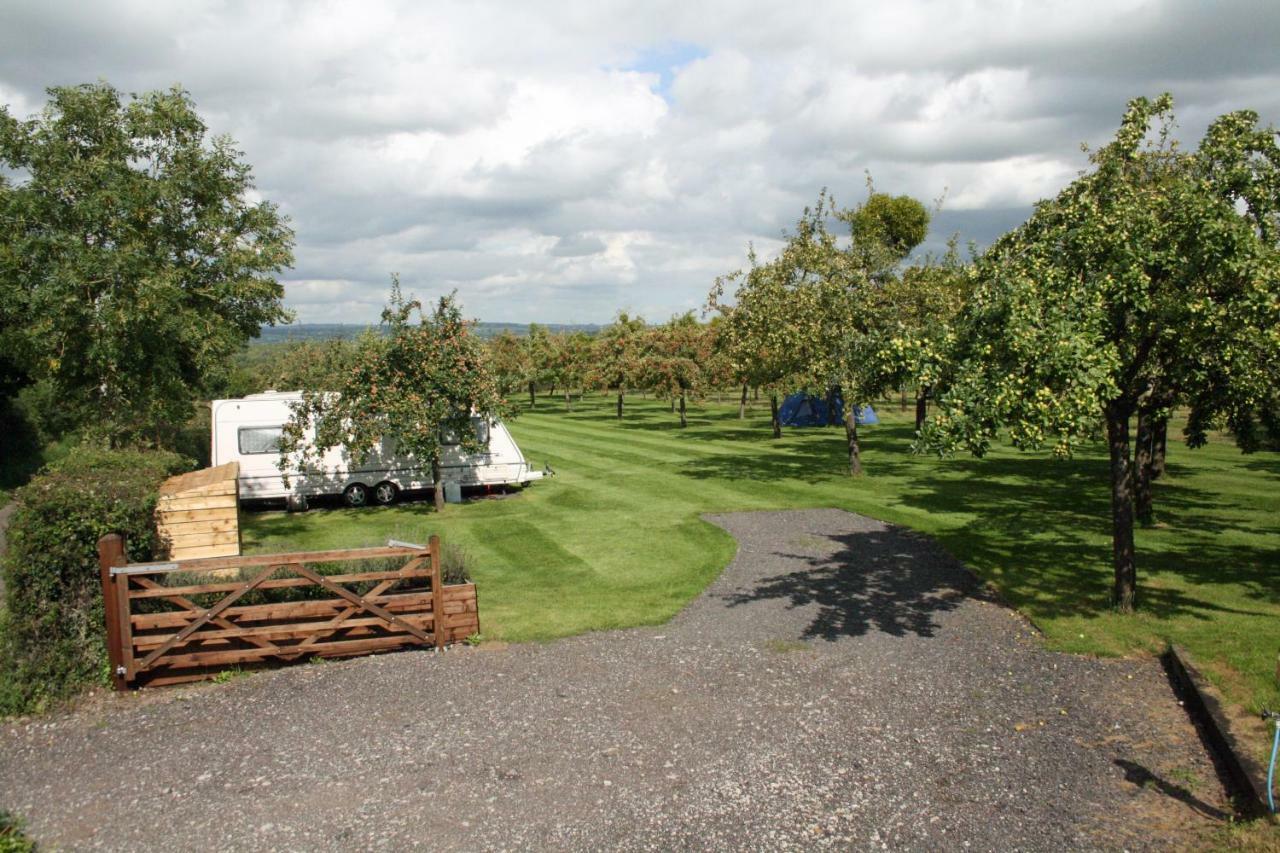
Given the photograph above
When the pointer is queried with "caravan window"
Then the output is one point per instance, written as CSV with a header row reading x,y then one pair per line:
x,y
479,425
260,439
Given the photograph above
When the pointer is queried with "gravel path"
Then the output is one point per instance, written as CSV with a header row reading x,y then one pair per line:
x,y
841,684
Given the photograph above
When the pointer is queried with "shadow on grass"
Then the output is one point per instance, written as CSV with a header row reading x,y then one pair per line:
x,y
290,526
1044,526
704,424
1266,461
1136,774
264,521
889,581
793,461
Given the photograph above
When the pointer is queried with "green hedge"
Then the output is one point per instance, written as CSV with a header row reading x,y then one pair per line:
x,y
52,630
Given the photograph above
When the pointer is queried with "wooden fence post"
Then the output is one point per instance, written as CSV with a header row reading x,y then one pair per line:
x,y
437,592
111,553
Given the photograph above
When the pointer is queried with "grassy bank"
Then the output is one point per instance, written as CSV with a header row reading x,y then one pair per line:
x,y
615,540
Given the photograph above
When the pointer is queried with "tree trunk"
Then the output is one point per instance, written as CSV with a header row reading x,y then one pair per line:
x,y
684,421
673,405
851,435
922,406
742,404
1143,459
533,397
757,397
1160,446
620,393
1122,550
568,402
777,424
832,420
902,401
436,485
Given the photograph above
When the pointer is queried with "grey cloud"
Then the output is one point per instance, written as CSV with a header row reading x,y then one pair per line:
x,y
577,245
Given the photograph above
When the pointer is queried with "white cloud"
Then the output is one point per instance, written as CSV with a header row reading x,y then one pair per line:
x,y
505,149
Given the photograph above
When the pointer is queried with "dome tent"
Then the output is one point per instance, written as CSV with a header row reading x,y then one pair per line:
x,y
803,409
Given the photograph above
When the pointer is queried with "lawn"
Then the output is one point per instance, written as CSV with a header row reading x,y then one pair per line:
x,y
615,539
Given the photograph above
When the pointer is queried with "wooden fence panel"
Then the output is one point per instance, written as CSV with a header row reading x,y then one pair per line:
x,y
164,634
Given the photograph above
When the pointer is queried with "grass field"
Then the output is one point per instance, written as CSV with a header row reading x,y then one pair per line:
x,y
615,538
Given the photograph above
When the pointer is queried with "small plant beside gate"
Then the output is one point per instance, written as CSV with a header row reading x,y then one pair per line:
x,y
188,620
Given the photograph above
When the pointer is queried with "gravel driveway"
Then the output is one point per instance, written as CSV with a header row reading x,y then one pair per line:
x,y
841,684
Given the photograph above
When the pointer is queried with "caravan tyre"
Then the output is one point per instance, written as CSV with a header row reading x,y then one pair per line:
x,y
384,494
356,495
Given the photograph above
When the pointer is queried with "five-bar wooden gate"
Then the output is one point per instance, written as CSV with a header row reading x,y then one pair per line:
x,y
202,623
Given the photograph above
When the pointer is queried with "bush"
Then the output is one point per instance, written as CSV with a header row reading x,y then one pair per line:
x,y
19,446
453,564
52,630
12,837
47,411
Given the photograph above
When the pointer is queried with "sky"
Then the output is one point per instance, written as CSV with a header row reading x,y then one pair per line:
x,y
559,162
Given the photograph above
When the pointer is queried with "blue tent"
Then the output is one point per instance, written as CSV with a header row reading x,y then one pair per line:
x,y
808,410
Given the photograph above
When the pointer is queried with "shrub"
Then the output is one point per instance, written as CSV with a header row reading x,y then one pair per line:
x,y
12,837
19,445
52,631
453,564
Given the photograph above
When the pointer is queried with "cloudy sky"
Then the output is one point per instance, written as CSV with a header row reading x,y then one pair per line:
x,y
557,162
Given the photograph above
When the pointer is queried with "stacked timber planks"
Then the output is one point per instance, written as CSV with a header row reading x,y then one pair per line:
x,y
197,514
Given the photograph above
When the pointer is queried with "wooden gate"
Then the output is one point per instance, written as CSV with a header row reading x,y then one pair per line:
x,y
167,624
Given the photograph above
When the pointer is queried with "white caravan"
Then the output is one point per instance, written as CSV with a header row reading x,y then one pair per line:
x,y
248,431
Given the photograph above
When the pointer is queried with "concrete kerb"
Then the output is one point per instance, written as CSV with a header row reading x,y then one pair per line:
x,y
1211,711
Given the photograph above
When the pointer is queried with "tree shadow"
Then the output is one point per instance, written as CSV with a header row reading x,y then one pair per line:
x,y
1267,461
1136,774
264,521
1049,522
803,462
701,428
705,424
288,525
892,581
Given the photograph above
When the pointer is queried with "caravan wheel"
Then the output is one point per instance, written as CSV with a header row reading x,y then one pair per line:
x,y
356,495
385,493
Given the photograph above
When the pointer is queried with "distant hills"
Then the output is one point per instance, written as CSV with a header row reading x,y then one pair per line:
x,y
347,331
